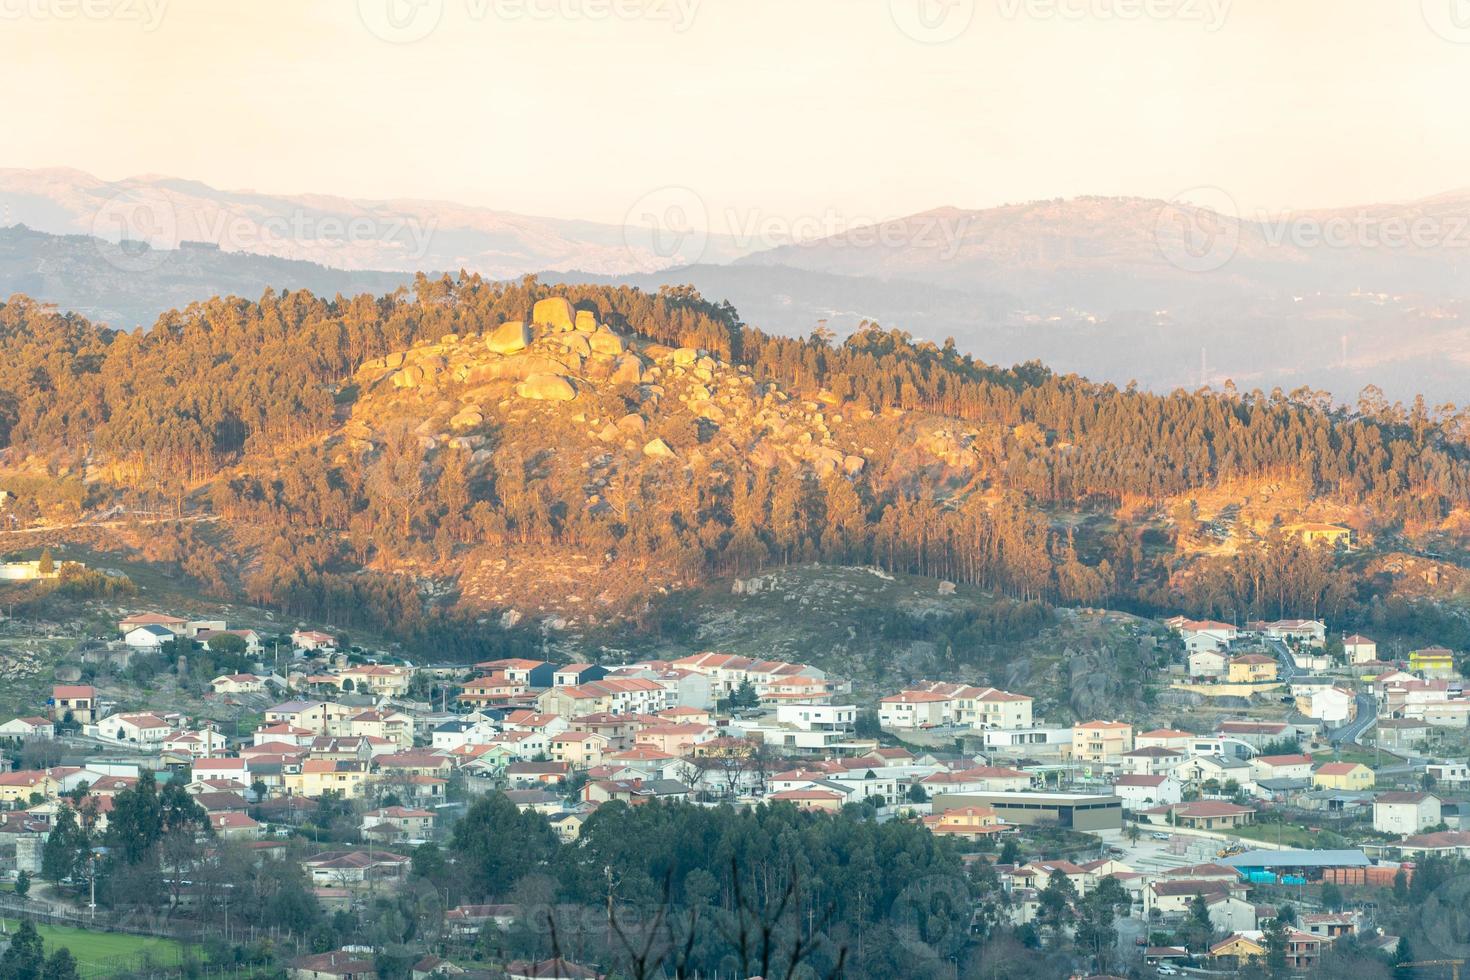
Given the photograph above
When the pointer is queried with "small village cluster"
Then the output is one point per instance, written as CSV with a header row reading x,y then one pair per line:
x,y
406,745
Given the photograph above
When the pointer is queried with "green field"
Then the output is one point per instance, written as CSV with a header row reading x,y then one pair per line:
x,y
99,954
1288,835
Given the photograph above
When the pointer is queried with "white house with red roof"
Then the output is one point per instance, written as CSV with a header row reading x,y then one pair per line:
x,y
23,729
312,640
1139,792
174,624
933,704
238,684
144,728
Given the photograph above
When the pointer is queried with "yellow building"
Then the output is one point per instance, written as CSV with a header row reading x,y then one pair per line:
x,y
1101,741
319,775
1343,775
968,822
1238,948
1251,668
1334,535
17,788
1433,662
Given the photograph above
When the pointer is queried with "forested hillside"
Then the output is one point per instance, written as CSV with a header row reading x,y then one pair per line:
x,y
377,459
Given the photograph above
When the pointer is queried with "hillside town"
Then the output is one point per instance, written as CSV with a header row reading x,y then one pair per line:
x,y
1330,770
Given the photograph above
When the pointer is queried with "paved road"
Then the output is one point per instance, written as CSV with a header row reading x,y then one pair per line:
x,y
1367,716
1283,653
1367,706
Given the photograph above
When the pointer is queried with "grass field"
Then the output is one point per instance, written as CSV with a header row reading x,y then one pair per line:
x,y
1289,835
99,954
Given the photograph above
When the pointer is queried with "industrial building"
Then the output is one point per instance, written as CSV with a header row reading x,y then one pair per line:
x,y
1073,811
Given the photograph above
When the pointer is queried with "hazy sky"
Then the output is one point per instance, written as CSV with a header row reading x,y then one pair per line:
x,y
787,108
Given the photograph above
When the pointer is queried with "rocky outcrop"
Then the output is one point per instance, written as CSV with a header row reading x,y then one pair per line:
x,y
607,342
586,321
410,377
629,370
556,313
469,417
546,388
509,338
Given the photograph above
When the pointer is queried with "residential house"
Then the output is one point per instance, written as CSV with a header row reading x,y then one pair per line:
x,y
1152,761
149,639
311,640
914,711
1343,775
1359,649
1166,738
229,825
353,868
17,788
1433,663
811,798
1333,705
553,969
570,675
1101,741
1141,792
315,716
1208,665
1405,814
1296,766
1400,733
966,823
143,728
1202,815
492,689
74,702
208,638
1203,635
238,684
580,750
1240,948
1256,734
173,624
1312,632
1251,668
1217,770
674,738
317,776
25,729
401,822
336,965
378,679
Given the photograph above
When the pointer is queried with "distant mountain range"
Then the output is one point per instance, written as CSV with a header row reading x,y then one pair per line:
x,y
358,235
1118,289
